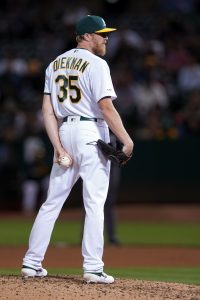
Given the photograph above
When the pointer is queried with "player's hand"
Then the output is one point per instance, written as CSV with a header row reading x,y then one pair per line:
x,y
128,148
59,153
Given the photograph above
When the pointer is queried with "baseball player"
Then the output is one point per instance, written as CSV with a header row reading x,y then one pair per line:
x,y
77,109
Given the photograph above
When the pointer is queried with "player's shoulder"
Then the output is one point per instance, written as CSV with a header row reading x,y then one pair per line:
x,y
100,63
97,58
86,54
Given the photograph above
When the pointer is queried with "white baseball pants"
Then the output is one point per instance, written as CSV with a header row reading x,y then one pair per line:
x,y
94,169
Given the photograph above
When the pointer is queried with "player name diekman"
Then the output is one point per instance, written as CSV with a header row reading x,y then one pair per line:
x,y
70,63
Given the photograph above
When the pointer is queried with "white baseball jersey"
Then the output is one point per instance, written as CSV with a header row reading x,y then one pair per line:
x,y
76,86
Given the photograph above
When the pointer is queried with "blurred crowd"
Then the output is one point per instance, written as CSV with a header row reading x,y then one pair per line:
x,y
154,59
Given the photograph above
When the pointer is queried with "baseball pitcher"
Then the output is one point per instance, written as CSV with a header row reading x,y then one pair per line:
x,y
77,110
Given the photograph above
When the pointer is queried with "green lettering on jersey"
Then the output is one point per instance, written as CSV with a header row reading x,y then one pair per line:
x,y
84,66
68,62
55,65
79,62
73,63
63,64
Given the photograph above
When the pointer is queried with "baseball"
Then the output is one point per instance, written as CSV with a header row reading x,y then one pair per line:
x,y
65,161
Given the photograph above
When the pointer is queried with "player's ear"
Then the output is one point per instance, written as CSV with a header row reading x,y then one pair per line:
x,y
87,36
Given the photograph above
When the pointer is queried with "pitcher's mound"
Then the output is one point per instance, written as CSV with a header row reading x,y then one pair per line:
x,y
72,287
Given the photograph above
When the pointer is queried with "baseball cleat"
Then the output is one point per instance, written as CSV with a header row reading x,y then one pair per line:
x,y
28,272
98,278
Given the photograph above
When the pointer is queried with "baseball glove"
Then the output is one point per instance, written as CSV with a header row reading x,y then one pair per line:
x,y
115,154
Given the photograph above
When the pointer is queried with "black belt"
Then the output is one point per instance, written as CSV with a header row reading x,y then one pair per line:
x,y
65,119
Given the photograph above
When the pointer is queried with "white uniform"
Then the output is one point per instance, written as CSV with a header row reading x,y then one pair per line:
x,y
76,81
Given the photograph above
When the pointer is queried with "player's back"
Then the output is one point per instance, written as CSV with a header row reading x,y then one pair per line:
x,y
72,83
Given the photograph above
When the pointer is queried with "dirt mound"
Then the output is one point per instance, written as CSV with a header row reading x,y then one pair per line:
x,y
73,287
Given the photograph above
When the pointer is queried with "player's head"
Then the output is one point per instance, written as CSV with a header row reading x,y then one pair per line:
x,y
92,24
92,29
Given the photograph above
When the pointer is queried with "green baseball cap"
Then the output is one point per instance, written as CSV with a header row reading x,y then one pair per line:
x,y
92,24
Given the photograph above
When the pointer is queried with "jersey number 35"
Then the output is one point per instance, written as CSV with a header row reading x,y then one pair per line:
x,y
68,88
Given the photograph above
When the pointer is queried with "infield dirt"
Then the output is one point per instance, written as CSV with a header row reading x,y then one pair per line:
x,y
72,287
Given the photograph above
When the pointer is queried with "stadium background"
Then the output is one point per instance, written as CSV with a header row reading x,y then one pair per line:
x,y
154,60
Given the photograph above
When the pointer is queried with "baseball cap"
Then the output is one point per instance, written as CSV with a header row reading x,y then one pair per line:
x,y
92,24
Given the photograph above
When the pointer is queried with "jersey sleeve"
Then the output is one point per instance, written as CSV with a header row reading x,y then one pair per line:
x,y
101,82
47,89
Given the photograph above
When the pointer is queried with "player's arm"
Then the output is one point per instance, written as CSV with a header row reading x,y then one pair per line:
x,y
51,125
113,119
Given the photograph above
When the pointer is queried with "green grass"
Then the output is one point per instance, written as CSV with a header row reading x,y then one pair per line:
x,y
179,275
159,234
16,232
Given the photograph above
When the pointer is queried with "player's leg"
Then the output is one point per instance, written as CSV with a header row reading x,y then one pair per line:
x,y
95,186
60,184
94,170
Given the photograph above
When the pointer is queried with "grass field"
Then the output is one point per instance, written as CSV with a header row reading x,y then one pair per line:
x,y
16,232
